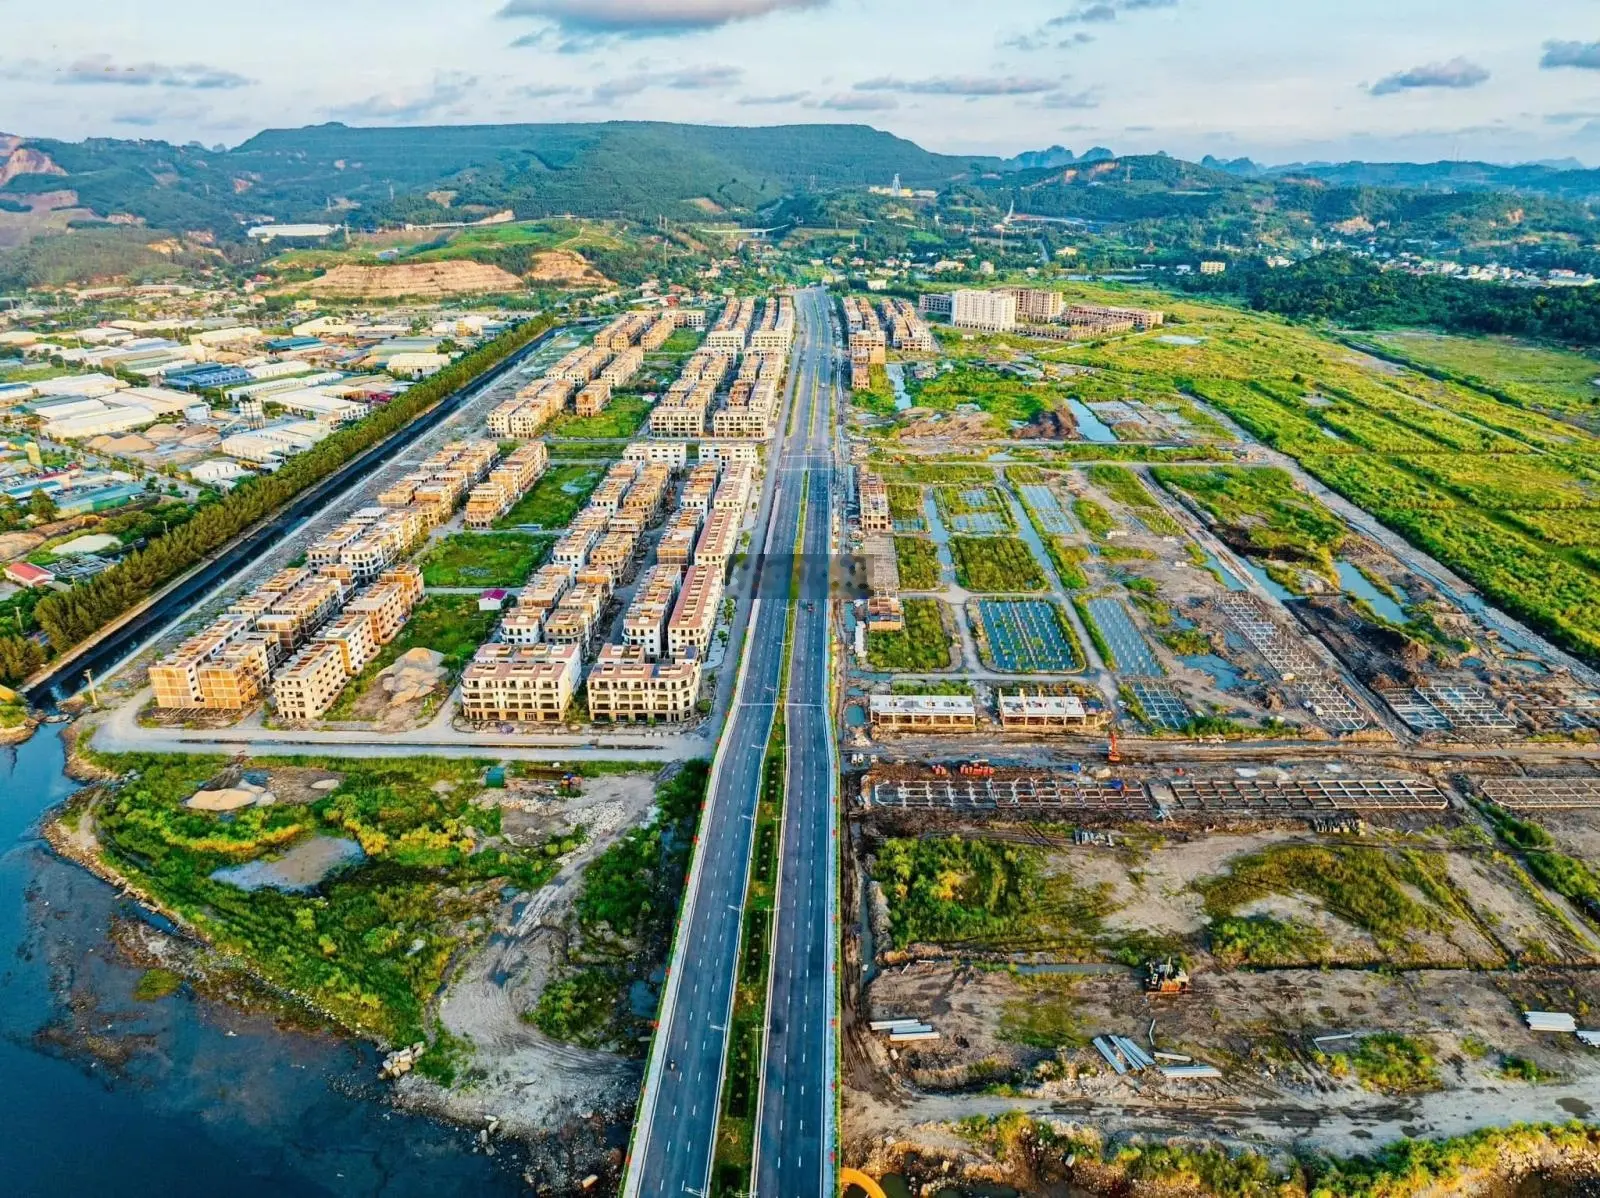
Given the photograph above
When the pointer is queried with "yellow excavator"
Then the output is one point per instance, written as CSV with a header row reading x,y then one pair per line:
x,y
850,1179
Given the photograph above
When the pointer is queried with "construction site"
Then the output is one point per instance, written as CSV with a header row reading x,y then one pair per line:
x,y
1186,799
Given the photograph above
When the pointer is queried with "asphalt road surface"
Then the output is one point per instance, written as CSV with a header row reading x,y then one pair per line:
x,y
794,1134
672,1152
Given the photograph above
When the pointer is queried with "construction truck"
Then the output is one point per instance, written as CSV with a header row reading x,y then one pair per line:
x,y
1165,977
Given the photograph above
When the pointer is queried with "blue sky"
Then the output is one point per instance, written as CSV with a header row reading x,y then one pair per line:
x,y
1279,80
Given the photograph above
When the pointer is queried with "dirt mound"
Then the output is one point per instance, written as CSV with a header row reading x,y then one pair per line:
x,y
413,676
421,279
565,267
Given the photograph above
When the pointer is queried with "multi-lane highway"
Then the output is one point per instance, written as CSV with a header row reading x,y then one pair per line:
x,y
674,1142
794,1129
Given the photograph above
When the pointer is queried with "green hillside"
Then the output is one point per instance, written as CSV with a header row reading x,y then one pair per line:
x,y
639,170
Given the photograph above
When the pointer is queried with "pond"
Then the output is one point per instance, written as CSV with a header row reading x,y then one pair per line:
x,y
302,868
1222,671
897,379
1090,426
1358,584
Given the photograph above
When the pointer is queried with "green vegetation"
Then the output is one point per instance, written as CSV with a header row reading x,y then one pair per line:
x,y
996,565
625,913
1044,1015
1263,940
1097,522
1068,558
622,418
555,499
1408,1168
956,501
1573,879
484,559
68,618
448,624
156,984
1006,400
1396,1064
1124,487
923,644
918,559
1262,512
980,895
1371,888
905,503
370,945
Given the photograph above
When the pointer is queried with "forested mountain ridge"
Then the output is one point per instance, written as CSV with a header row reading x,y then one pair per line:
x,y
367,176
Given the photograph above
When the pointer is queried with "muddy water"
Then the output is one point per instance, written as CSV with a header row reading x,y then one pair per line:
x,y
105,1095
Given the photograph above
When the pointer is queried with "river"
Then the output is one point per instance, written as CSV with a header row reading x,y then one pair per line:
x,y
106,1095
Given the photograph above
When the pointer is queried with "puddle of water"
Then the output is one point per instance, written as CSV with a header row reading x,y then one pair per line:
x,y
1222,672
1356,583
642,999
302,868
854,717
1090,426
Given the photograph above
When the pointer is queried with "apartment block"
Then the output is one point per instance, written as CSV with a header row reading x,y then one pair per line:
x,y
1037,304
626,688
623,367
351,634
679,538
309,682
674,454
694,617
666,323
874,501
603,578
907,330
573,548
529,684
1092,315
236,678
644,624
719,541
616,550
731,330
294,616
581,365
593,399
700,488
545,589
573,620
624,331
734,492
987,311
725,452
523,626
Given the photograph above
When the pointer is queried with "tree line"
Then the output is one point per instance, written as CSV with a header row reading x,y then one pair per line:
x,y
70,616
1355,291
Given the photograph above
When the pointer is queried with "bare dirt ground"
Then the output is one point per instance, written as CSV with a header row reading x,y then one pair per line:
x,y
422,279
1258,1027
529,1082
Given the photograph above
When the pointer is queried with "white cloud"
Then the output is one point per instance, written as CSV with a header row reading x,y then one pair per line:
x,y
1458,73
687,79
960,85
443,97
646,17
860,102
1584,55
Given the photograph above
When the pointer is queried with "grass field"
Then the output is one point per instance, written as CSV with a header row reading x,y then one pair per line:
x,y
556,498
996,565
918,559
484,559
1557,381
621,418
923,644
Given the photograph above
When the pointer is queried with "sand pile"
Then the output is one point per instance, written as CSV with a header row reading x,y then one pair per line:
x,y
414,675
232,798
